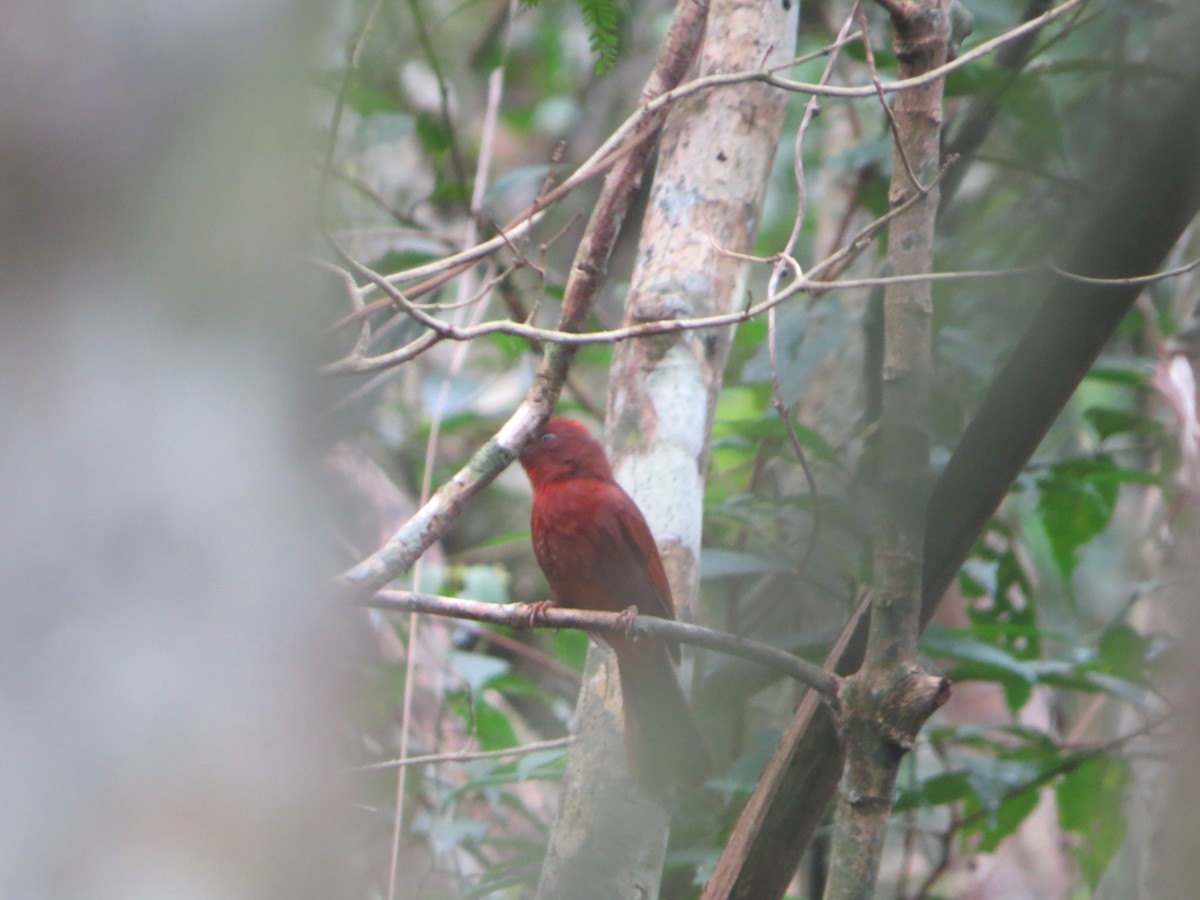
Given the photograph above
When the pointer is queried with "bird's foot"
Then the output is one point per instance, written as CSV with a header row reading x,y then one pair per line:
x,y
537,612
626,619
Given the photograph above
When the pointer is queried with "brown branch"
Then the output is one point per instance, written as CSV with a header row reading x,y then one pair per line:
x,y
517,615
888,701
628,136
764,816
897,145
446,331
805,284
1151,199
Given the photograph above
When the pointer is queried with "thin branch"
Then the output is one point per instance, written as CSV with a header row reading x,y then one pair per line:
x,y
1141,279
368,191
439,272
873,73
339,105
811,109
902,84
468,756
616,145
446,331
443,331
781,409
432,59
599,162
1067,764
429,522
363,341
754,821
891,697
517,615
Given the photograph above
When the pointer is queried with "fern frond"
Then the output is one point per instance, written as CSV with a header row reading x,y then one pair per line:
x,y
601,18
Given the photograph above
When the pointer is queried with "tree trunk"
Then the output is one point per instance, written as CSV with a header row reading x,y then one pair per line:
x,y
714,164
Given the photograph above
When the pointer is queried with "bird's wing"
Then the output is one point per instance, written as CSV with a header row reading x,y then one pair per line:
x,y
636,568
596,549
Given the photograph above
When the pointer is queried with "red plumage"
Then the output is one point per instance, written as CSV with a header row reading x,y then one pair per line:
x,y
598,553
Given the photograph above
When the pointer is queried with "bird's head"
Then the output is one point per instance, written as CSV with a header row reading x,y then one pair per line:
x,y
562,449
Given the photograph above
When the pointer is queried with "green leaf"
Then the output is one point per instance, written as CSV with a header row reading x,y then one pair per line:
x,y
1090,799
982,661
1003,820
804,338
433,133
736,405
1075,503
600,16
1122,375
1004,792
530,763
450,193
1108,421
570,648
750,334
486,583
939,789
975,80
984,658
477,669
1125,653
492,727
718,563
1008,616
397,261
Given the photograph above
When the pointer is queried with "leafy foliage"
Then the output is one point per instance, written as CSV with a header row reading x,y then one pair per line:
x,y
1045,617
602,18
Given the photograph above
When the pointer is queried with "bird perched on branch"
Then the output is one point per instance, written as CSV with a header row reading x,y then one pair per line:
x,y
597,553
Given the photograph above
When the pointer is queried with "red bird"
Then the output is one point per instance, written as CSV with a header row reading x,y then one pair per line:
x,y
597,553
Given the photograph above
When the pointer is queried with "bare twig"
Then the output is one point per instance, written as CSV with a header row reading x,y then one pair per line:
x,y
804,284
458,360
811,109
873,72
517,615
630,134
440,330
339,105
1141,279
466,756
797,447
434,516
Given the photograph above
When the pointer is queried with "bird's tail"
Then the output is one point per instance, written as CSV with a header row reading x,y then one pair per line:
x,y
662,740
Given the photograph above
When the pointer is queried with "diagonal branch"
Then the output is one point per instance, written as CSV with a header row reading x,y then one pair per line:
x,y
1143,214
431,520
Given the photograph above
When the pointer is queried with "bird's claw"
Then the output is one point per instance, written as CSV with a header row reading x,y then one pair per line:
x,y
537,612
626,618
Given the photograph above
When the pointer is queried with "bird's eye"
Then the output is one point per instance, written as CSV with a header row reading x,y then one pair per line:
x,y
548,437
